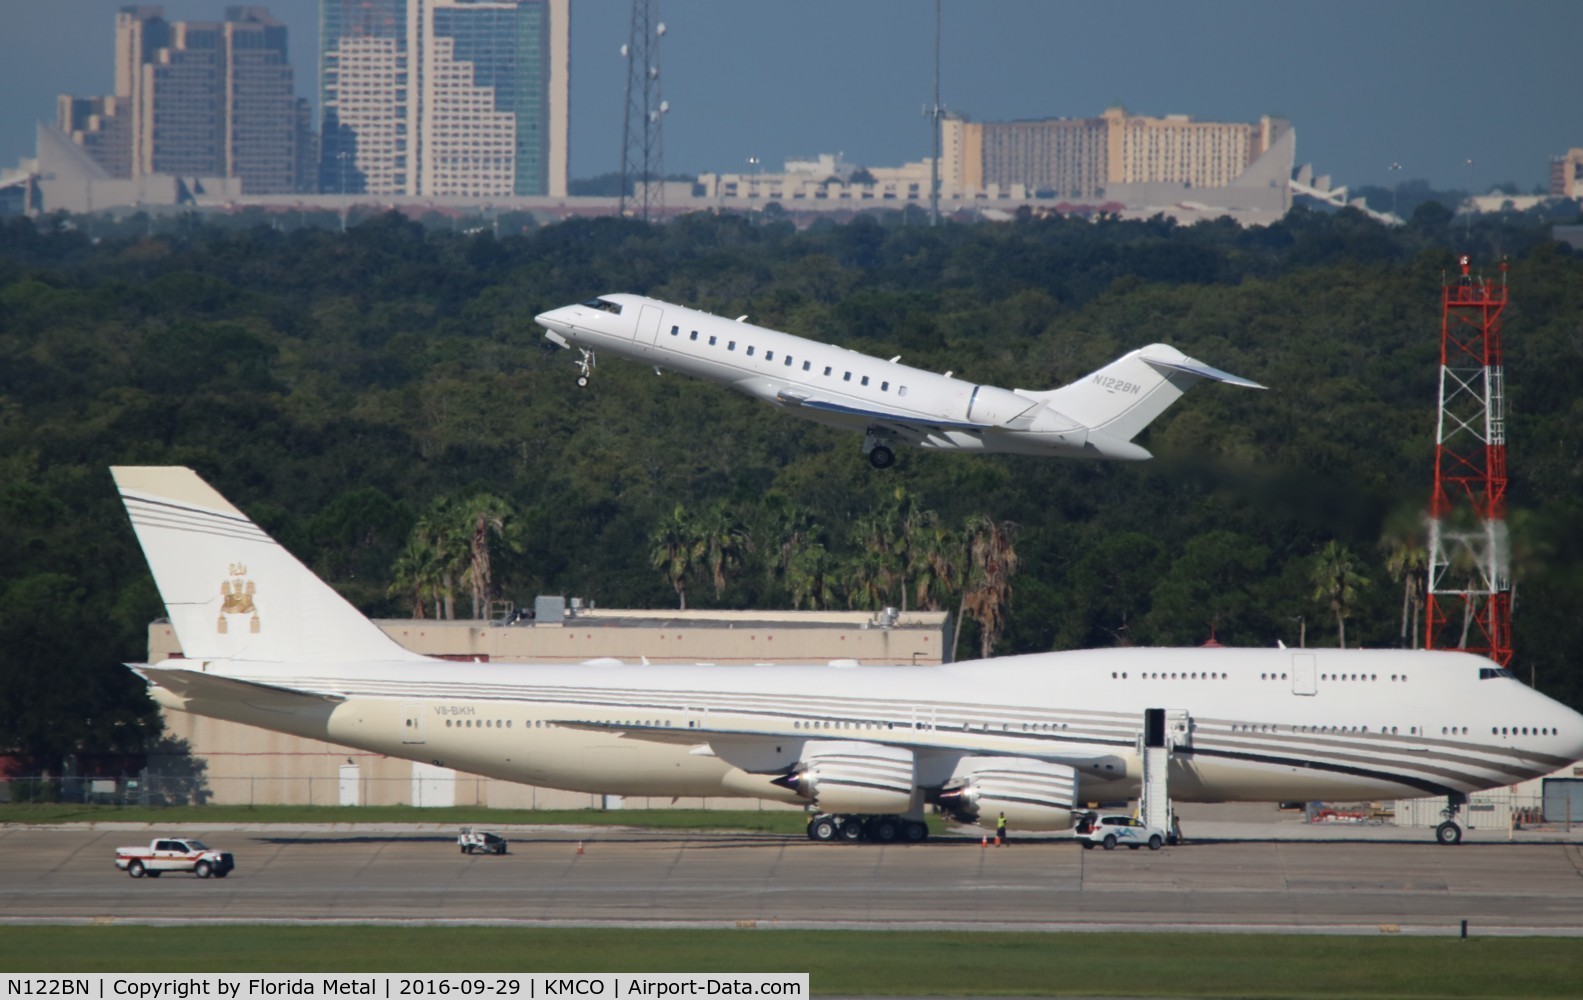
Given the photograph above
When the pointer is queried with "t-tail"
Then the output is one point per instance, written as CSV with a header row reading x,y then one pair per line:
x,y
231,591
1117,402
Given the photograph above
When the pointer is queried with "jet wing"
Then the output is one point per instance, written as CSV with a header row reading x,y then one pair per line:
x,y
886,416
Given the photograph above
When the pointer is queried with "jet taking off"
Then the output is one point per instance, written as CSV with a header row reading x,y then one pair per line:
x,y
266,643
1095,417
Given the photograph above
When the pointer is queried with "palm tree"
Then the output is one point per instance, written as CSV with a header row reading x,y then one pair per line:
x,y
416,576
1407,562
937,557
809,578
1337,582
992,562
436,533
674,551
724,543
482,518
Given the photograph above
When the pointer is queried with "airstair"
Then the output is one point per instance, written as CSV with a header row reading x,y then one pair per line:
x,y
1163,730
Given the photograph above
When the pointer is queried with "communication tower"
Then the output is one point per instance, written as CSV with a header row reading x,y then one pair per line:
x,y
1469,592
642,141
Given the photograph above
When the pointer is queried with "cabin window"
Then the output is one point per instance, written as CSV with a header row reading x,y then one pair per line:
x,y
694,336
884,387
731,345
768,355
676,331
847,377
807,365
827,369
789,362
750,350
865,380
712,339
901,390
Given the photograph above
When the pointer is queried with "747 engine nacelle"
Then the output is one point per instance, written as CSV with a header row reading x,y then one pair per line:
x,y
1034,794
841,776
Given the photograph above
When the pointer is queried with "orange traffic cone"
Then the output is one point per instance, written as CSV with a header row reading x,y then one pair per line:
x,y
985,842
579,847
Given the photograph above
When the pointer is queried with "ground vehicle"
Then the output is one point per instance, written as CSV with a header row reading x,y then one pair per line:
x,y
472,841
172,854
1108,831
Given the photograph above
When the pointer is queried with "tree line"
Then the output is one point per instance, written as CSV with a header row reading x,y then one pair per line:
x,y
381,402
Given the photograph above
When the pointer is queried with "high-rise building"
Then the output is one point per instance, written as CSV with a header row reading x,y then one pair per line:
x,y
445,97
196,99
1083,157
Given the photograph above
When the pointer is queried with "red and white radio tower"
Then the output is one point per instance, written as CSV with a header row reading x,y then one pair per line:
x,y
1469,592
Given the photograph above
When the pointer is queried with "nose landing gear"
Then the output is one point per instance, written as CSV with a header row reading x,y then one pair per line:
x,y
585,367
1449,832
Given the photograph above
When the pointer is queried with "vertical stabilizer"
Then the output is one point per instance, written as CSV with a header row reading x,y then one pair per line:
x,y
1125,396
231,591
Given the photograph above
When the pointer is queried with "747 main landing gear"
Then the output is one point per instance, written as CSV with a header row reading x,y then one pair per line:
x,y
879,829
585,367
1449,832
877,447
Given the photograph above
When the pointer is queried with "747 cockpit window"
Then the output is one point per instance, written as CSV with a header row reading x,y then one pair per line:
x,y
1485,673
605,304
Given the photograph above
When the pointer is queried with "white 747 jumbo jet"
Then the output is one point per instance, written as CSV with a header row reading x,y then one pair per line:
x,y
1095,417
269,644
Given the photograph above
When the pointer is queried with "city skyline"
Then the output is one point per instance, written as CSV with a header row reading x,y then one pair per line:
x,y
1366,86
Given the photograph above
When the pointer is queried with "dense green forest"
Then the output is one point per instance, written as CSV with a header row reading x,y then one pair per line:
x,y
382,402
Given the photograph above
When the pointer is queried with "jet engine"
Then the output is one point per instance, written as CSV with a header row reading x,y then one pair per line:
x,y
841,776
1034,794
993,405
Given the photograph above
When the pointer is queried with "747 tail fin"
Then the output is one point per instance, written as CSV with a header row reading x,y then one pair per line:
x,y
232,592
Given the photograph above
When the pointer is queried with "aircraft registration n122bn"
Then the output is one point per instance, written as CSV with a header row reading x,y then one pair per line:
x,y
267,643
1096,416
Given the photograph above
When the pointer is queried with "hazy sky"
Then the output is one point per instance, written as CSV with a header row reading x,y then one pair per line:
x,y
1429,84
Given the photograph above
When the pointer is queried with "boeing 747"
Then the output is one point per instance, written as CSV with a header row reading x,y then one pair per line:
x,y
266,643
891,403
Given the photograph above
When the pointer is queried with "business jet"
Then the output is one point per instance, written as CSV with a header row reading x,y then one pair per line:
x,y
867,748
1095,417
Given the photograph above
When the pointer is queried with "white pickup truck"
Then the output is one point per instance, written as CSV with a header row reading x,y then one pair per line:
x,y
170,854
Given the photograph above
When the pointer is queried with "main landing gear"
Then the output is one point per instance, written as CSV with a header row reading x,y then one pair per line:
x,y
585,367
877,447
1449,832
878,829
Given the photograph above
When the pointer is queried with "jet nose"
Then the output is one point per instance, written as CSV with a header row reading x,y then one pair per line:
x,y
554,319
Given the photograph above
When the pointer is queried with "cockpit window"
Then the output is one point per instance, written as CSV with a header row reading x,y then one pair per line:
x,y
1485,673
605,304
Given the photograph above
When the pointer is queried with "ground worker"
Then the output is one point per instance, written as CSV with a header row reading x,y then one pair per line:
x,y
1000,831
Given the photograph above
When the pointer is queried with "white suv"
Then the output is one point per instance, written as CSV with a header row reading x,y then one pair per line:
x,y
1108,831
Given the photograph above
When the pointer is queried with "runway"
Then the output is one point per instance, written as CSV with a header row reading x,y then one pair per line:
x,y
1269,878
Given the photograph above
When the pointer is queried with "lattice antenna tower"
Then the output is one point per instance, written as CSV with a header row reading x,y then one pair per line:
x,y
1469,592
642,138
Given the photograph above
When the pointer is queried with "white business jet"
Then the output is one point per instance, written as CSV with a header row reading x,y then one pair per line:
x,y
1095,417
268,644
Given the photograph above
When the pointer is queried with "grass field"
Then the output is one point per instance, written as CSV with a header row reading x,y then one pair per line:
x,y
851,962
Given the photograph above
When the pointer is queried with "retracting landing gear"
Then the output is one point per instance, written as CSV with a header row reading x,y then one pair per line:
x,y
1449,832
876,445
585,367
877,829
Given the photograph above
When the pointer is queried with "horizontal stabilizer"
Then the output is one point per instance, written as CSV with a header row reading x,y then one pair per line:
x,y
1194,367
195,685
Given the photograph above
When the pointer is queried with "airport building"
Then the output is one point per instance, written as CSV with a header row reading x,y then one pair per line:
x,y
235,764
195,99
445,98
